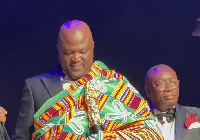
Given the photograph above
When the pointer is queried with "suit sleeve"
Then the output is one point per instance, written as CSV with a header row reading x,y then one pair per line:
x,y
24,125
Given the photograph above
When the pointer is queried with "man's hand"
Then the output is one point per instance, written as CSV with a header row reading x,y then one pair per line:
x,y
3,113
34,136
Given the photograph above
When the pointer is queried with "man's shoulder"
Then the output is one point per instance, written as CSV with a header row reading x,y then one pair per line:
x,y
47,74
112,74
50,74
192,109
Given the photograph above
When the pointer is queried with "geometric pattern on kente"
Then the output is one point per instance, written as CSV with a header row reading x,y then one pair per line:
x,y
124,113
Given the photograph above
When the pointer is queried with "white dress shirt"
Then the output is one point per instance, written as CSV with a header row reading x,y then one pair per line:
x,y
66,82
167,129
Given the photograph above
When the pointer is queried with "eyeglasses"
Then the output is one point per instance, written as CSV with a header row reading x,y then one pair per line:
x,y
161,85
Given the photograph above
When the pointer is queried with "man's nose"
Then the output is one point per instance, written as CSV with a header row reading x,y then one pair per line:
x,y
168,87
76,57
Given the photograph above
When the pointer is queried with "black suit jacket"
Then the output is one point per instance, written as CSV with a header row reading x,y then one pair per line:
x,y
182,133
36,92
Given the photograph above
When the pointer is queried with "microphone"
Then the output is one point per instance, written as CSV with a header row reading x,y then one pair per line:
x,y
3,133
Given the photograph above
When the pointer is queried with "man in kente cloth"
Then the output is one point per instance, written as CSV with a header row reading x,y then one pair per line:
x,y
82,98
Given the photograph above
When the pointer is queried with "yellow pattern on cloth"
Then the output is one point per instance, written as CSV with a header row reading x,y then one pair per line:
x,y
124,113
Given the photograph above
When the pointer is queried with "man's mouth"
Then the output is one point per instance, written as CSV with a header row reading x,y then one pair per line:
x,y
169,97
76,67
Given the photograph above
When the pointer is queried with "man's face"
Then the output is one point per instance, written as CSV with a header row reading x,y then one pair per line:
x,y
162,94
75,52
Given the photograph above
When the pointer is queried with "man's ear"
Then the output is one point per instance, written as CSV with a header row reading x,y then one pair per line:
x,y
146,89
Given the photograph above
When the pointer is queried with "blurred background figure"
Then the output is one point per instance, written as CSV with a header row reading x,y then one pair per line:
x,y
196,31
3,132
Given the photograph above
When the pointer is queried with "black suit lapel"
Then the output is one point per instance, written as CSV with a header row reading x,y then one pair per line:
x,y
180,122
53,82
53,85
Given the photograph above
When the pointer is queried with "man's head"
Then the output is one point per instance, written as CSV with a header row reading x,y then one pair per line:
x,y
162,86
75,49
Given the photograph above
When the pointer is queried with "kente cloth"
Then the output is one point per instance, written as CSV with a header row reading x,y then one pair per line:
x,y
124,113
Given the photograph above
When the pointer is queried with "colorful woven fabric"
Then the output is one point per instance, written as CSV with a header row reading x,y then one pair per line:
x,y
124,113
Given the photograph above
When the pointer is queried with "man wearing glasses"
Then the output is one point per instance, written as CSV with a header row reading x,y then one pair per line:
x,y
162,87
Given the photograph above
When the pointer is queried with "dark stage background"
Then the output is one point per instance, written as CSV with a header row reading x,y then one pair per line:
x,y
130,37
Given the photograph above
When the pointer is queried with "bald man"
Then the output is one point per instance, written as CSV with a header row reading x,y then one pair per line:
x,y
162,87
82,98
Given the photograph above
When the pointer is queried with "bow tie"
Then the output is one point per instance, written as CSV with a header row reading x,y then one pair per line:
x,y
170,115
